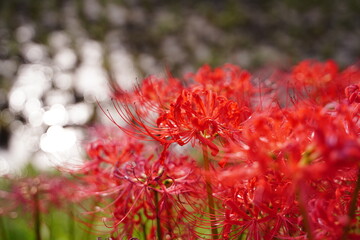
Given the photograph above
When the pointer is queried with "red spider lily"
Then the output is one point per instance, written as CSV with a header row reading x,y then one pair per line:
x,y
317,81
350,76
288,171
202,115
108,151
302,145
195,115
352,92
149,188
307,135
160,90
312,73
258,208
154,93
44,191
333,137
32,197
228,80
134,187
328,205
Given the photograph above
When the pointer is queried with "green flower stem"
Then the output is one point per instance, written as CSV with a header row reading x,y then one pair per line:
x,y
4,234
209,192
144,230
71,223
304,213
352,208
158,220
37,217
50,217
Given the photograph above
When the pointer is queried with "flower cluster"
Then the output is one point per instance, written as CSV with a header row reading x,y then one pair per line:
x,y
284,162
34,198
39,194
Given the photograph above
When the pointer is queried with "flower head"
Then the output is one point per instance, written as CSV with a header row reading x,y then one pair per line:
x,y
202,115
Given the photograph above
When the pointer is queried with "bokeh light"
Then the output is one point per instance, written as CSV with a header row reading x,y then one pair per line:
x,y
58,61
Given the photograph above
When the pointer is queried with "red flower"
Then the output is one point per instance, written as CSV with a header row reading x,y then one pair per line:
x,y
283,167
132,184
202,115
312,73
352,92
260,208
153,93
41,193
319,82
228,80
149,189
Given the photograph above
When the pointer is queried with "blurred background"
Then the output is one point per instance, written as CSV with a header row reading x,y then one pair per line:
x,y
58,56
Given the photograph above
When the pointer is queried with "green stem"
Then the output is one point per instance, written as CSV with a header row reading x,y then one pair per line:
x,y
209,192
4,234
352,208
71,226
37,217
304,213
158,220
51,223
168,213
144,230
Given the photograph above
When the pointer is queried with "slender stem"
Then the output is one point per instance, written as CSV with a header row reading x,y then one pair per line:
x,y
71,226
4,234
51,223
209,192
352,207
304,213
37,217
158,220
168,213
144,230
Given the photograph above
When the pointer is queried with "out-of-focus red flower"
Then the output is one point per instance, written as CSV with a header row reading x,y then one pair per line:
x,y
312,73
153,92
42,192
228,80
319,82
352,92
262,206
